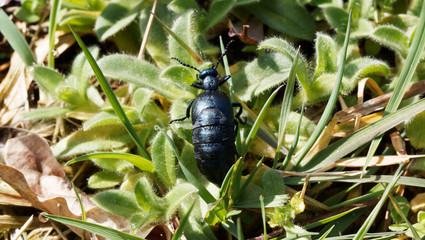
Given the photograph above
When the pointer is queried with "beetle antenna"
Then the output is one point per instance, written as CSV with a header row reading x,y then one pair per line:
x,y
184,64
222,55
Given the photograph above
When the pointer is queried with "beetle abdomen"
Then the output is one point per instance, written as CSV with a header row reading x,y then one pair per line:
x,y
215,159
214,144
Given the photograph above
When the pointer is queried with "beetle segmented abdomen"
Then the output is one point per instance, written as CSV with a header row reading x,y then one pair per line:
x,y
215,159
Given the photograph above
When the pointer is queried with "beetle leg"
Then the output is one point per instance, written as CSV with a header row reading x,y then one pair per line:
x,y
196,85
238,114
223,80
187,113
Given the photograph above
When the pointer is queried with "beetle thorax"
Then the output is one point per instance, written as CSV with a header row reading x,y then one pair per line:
x,y
210,83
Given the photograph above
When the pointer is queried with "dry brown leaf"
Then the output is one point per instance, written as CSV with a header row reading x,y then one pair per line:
x,y
36,175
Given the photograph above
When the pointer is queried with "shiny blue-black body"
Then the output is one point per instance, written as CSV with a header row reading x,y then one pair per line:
x,y
214,126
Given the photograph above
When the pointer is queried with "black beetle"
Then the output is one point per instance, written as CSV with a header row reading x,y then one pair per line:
x,y
214,126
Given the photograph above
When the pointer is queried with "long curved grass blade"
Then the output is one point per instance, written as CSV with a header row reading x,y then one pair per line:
x,y
15,39
372,216
54,9
286,106
256,125
339,149
100,230
408,181
138,161
203,192
111,96
406,74
332,100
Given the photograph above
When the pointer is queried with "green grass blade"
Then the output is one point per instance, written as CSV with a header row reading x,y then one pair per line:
x,y
331,102
83,211
408,181
54,9
240,231
326,233
179,232
256,125
329,219
15,39
372,216
100,230
286,106
406,74
203,192
295,142
138,161
263,215
111,96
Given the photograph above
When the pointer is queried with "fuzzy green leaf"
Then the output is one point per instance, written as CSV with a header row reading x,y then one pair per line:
x,y
286,16
284,47
176,195
415,131
181,6
260,75
101,138
94,5
326,59
115,164
46,113
393,38
273,184
80,71
359,68
130,69
187,29
337,17
110,163
104,179
69,95
47,78
116,16
119,202
156,46
164,160
79,19
108,117
145,196
30,10
141,98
